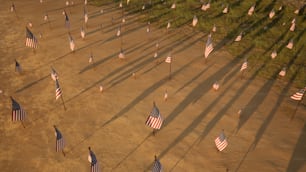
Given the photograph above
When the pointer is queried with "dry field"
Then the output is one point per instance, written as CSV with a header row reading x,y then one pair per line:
x,y
261,138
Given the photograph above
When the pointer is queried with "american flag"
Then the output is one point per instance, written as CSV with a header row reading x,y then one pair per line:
x,y
251,10
31,40
205,6
67,22
58,90
244,65
282,72
290,44
154,120
209,46
71,43
157,166
12,7
82,33
168,59
298,95
54,75
118,31
85,16
60,144
148,27
17,67
94,166
239,37
168,25
271,14
292,27
273,54
18,113
221,142
225,10
194,21
173,6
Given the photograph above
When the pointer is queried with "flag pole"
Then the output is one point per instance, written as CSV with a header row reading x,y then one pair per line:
x,y
170,70
63,102
242,74
23,124
63,152
296,108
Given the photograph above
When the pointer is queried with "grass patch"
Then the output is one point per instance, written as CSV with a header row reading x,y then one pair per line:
x,y
259,30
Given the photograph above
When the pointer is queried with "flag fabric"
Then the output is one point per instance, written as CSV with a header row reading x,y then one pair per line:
x,y
157,166
148,27
168,59
244,65
239,37
225,10
280,8
298,95
118,31
46,17
216,86
166,95
82,33
31,40
271,14
94,166
85,16
17,67
90,60
214,29
292,27
173,6
290,44
194,21
209,46
282,72
67,21
205,6
168,25
12,7
221,142
121,54
54,75
71,43
58,90
59,140
155,119
18,113
251,10
273,54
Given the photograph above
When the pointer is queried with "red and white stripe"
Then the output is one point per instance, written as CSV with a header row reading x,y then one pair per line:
x,y
154,122
298,95
31,42
18,115
59,145
168,59
221,145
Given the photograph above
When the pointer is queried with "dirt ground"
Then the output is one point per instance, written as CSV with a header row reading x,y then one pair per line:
x,y
254,113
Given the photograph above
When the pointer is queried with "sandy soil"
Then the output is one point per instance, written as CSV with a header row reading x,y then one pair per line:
x,y
261,137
